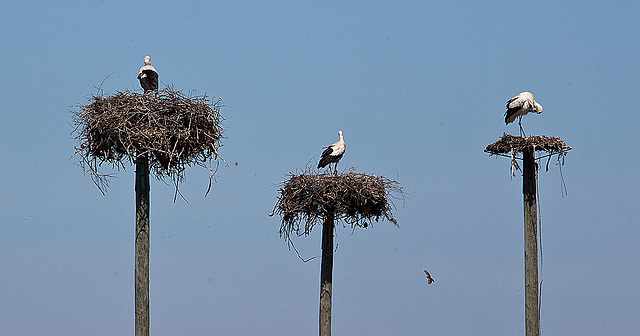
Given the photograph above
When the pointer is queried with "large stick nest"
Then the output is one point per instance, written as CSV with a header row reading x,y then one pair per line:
x,y
173,130
357,199
509,144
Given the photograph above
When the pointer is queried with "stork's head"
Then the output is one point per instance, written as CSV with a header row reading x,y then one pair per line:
x,y
537,108
147,60
340,134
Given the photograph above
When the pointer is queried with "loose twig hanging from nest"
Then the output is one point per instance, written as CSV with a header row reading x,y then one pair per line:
x,y
174,130
357,199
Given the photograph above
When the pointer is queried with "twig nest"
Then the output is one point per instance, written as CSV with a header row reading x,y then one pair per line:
x,y
509,144
357,199
174,130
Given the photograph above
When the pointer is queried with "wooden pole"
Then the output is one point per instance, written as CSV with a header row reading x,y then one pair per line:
x,y
326,274
142,246
532,311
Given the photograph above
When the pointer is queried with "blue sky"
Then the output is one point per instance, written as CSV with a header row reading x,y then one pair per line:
x,y
419,91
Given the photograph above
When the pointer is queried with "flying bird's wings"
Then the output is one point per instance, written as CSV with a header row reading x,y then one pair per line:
x,y
429,278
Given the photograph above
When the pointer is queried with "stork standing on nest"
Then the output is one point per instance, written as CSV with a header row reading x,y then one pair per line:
x,y
333,154
148,76
520,105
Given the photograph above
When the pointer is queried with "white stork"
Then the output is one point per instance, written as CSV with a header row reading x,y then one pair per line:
x,y
148,76
519,106
333,154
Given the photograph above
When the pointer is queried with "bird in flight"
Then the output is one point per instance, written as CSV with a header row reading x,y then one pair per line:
x,y
519,106
429,278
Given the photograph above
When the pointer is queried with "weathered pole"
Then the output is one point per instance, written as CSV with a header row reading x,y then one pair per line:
x,y
142,246
532,310
326,274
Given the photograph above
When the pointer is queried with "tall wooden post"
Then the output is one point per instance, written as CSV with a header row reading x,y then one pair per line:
x,y
142,246
326,274
532,310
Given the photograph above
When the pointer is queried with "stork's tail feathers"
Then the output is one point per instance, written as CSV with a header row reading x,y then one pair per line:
x,y
510,115
324,161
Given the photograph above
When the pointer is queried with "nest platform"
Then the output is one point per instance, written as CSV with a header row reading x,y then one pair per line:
x,y
357,199
173,130
509,145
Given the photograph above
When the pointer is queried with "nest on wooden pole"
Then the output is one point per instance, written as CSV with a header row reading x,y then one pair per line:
x,y
357,199
172,129
509,144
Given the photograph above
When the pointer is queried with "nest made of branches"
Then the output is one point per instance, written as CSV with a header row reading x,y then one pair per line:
x,y
509,144
172,129
357,199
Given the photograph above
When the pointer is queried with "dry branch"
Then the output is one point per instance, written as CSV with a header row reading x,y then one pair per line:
x,y
357,199
174,130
